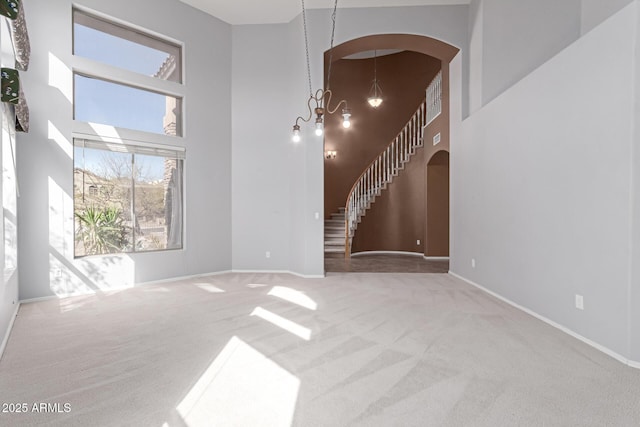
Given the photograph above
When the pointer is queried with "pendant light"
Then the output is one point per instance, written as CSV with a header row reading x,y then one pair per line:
x,y
375,93
319,102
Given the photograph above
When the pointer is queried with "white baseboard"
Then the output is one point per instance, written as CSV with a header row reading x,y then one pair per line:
x,y
304,276
173,279
387,253
550,322
187,277
5,340
436,258
39,299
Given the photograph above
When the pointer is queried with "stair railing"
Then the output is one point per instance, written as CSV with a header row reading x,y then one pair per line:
x,y
390,161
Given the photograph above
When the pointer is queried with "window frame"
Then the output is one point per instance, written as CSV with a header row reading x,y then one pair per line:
x,y
104,23
132,148
109,134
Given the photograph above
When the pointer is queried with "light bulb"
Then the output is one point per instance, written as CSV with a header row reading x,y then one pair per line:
x,y
319,129
295,137
346,123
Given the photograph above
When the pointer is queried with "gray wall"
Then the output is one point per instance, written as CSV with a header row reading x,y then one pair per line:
x,y
542,182
634,235
258,227
261,147
510,38
45,165
519,35
8,196
596,11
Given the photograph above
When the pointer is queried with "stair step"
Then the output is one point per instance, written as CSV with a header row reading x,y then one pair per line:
x,y
334,235
334,251
333,245
333,223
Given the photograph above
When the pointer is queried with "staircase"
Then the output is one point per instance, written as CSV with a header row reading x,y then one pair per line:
x,y
377,176
334,233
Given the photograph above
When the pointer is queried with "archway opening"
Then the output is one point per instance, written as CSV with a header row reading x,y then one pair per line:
x,y
437,206
397,221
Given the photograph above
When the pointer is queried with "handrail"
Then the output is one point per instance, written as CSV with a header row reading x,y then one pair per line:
x,y
386,165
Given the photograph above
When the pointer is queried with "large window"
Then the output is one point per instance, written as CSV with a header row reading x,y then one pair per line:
x,y
128,191
114,44
127,198
118,105
106,99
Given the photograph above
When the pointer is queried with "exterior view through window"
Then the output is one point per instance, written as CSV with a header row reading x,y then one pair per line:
x,y
126,107
114,44
126,198
128,194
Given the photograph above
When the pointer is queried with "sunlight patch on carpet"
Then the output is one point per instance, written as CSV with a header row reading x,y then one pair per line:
x,y
293,296
241,387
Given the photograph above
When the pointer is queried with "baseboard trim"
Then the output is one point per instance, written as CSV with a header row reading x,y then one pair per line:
x,y
40,299
620,358
386,253
176,278
304,276
436,258
173,279
5,340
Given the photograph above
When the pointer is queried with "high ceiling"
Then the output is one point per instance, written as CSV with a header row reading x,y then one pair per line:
x,y
238,12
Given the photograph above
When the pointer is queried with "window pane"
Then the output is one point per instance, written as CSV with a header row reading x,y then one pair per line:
x,y
158,202
113,44
126,201
102,201
103,102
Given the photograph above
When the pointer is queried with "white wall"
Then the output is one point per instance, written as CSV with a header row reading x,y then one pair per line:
x,y
596,11
541,180
261,147
518,36
8,220
259,226
45,164
634,235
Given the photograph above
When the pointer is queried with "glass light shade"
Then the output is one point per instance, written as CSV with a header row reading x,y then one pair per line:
x,y
319,128
375,94
374,101
295,137
346,122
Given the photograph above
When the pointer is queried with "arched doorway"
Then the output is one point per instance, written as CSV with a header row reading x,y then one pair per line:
x,y
388,229
437,205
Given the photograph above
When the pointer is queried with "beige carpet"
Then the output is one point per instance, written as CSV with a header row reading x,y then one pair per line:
x,y
352,349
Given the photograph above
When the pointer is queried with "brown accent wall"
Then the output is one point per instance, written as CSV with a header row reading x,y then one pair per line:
x,y
403,77
398,218
437,207
395,220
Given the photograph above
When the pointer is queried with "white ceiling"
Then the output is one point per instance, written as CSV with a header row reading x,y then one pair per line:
x,y
237,12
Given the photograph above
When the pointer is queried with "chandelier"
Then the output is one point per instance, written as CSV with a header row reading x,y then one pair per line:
x,y
319,102
375,93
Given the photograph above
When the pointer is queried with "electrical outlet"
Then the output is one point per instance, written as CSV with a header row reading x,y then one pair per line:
x,y
418,242
267,254
473,263
579,302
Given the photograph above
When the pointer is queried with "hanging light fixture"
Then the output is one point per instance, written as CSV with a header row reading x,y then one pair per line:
x,y
319,102
375,93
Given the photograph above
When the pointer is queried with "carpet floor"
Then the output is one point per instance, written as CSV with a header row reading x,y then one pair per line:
x,y
352,349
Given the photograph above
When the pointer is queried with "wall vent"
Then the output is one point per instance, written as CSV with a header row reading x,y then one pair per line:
x,y
436,139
